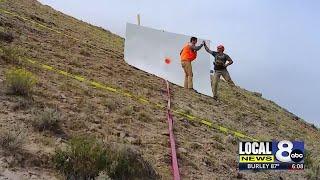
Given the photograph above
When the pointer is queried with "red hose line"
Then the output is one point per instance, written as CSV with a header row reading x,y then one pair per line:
x,y
175,167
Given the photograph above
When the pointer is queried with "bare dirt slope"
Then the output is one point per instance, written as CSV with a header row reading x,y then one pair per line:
x,y
203,153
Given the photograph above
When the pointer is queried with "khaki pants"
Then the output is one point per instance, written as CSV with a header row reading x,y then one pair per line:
x,y
215,78
188,75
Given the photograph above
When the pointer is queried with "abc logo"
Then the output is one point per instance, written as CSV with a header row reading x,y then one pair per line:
x,y
286,154
296,155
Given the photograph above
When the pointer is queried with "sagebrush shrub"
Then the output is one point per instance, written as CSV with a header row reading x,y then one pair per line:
x,y
6,37
84,158
127,164
111,104
48,119
85,53
11,140
20,82
10,55
313,173
142,116
128,111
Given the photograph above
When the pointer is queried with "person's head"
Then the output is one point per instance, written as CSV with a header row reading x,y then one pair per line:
x,y
193,40
220,48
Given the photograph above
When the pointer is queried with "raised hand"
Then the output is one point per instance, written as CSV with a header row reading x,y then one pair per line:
x,y
204,43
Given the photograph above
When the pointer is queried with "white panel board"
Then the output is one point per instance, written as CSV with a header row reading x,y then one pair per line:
x,y
147,49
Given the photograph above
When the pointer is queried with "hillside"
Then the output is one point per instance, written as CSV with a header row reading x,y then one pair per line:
x,y
50,37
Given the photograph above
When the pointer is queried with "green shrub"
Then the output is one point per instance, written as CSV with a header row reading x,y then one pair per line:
x,y
10,55
127,164
308,160
313,173
110,104
20,82
144,117
85,53
312,166
84,158
6,37
11,140
22,104
128,111
48,119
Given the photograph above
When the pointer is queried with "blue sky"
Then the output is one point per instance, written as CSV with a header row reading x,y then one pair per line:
x,y
274,44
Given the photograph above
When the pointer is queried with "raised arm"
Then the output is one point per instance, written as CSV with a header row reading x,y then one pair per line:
x,y
207,49
196,48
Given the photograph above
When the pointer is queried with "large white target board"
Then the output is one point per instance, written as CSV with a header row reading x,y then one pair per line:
x,y
158,52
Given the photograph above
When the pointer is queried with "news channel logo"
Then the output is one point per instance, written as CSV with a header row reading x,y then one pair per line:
x,y
271,155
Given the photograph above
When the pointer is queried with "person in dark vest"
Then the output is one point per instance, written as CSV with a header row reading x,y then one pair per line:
x,y
221,62
187,55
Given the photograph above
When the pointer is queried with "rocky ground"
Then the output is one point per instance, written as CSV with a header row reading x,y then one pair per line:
x,y
203,153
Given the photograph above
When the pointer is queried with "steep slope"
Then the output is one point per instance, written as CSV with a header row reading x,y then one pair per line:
x,y
97,54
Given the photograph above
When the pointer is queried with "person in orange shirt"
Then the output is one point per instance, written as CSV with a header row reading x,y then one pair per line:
x,y
187,55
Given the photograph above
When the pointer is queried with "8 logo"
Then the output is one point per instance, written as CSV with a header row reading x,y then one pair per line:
x,y
286,153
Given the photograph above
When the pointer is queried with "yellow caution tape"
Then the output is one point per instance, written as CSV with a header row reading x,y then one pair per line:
x,y
63,73
159,105
111,89
79,78
127,94
239,134
31,61
143,100
223,129
98,85
206,123
47,67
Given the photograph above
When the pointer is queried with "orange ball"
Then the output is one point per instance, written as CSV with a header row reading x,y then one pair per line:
x,y
167,60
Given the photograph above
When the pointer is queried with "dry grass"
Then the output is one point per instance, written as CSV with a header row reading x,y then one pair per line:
x,y
108,66
111,104
48,119
128,111
11,140
128,164
312,167
10,55
20,82
85,52
84,158
6,37
144,117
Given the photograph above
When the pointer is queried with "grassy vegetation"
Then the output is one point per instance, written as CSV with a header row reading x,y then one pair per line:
x,y
10,55
6,37
11,140
313,173
48,119
85,52
127,111
144,117
111,104
84,158
127,164
20,82
22,104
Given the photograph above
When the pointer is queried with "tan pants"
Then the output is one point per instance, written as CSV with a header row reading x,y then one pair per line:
x,y
215,78
188,75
